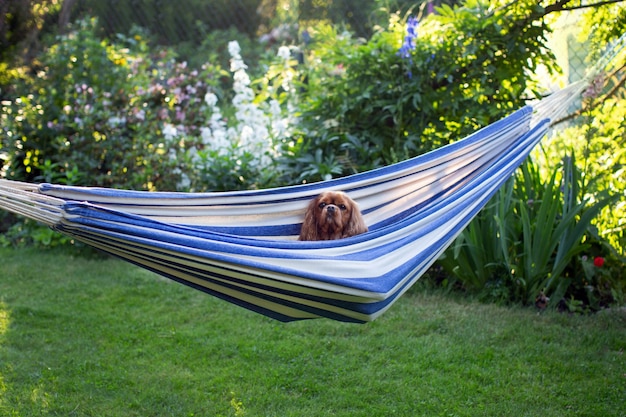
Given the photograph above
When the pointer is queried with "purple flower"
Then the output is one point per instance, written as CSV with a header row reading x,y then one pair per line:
x,y
409,39
409,42
431,8
595,87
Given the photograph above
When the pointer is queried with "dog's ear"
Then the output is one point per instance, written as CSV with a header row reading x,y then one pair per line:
x,y
309,226
356,225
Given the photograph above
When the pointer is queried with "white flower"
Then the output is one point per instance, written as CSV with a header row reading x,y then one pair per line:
x,y
241,78
237,65
284,53
275,108
205,134
184,182
216,119
233,48
256,128
116,121
288,78
192,155
169,131
246,135
220,140
210,99
330,123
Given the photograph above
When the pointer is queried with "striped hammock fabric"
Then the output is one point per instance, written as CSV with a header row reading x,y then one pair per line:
x,y
242,247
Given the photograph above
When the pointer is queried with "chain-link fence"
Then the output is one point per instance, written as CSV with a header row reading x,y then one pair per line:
x,y
571,53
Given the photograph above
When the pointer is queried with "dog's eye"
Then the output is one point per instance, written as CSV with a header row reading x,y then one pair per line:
x,y
322,205
342,206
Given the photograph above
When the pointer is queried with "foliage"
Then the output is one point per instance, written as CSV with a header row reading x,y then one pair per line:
x,y
602,26
383,107
533,239
599,136
68,123
247,142
110,114
522,262
359,16
165,19
21,21
213,48
29,233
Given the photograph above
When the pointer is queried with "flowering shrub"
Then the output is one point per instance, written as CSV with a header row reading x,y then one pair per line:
x,y
95,113
113,115
237,152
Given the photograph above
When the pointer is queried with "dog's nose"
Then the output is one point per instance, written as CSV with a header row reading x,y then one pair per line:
x,y
331,209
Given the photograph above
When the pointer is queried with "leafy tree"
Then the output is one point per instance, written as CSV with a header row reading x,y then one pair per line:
x,y
20,22
597,131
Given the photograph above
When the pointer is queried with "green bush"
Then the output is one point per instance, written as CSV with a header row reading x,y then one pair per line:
x,y
368,104
28,233
111,114
95,113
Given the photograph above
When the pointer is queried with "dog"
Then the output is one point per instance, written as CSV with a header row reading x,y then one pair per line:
x,y
332,215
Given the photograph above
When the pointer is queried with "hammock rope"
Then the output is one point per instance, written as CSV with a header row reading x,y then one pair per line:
x,y
241,246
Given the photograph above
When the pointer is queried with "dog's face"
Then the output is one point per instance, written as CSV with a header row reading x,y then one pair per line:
x,y
332,215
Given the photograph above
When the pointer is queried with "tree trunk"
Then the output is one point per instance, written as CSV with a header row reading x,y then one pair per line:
x,y
64,15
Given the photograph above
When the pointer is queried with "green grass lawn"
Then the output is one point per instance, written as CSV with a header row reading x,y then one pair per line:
x,y
86,336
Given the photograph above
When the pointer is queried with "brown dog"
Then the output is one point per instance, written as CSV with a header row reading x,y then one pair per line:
x,y
332,215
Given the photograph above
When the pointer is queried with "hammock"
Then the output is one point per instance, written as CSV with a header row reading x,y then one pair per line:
x,y
242,247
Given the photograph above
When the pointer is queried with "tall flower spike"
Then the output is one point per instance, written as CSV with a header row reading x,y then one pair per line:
x,y
409,39
409,42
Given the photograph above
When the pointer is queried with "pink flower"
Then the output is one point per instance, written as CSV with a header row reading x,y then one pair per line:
x,y
595,87
338,70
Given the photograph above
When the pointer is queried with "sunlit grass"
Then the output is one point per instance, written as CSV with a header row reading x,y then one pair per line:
x,y
97,337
